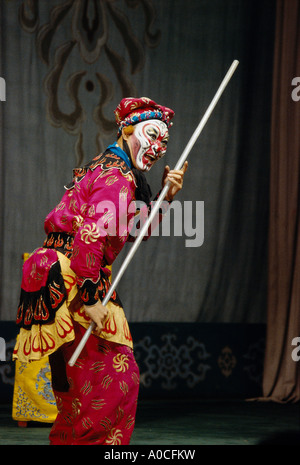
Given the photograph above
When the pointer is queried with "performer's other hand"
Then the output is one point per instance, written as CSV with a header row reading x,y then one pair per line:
x,y
97,313
176,179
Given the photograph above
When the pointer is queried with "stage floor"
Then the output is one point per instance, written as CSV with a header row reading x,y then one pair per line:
x,y
189,422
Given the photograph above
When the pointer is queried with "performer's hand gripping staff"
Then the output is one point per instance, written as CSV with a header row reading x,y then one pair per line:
x,y
154,211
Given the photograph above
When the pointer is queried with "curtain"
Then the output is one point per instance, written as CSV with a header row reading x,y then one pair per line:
x,y
281,380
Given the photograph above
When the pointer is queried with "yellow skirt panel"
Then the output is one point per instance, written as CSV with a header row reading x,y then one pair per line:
x,y
42,340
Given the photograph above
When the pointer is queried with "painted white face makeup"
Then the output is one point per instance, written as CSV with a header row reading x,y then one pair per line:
x,y
149,143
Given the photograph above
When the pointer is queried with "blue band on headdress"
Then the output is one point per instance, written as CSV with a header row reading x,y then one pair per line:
x,y
140,117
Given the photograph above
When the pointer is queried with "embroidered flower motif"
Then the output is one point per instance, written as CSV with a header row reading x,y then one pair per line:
x,y
114,437
77,222
90,233
120,363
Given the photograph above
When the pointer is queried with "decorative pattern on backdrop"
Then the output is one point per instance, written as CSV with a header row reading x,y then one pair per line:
x,y
181,360
86,32
195,359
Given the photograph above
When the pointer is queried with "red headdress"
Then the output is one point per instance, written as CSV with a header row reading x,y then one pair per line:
x,y
135,110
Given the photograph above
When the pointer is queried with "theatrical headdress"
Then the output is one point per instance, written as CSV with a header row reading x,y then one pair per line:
x,y
132,110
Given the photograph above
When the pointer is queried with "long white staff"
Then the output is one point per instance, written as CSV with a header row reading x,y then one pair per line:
x,y
156,207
